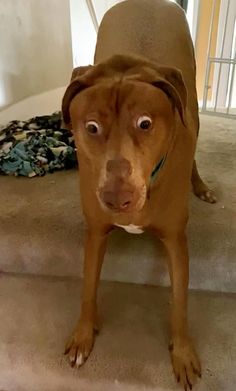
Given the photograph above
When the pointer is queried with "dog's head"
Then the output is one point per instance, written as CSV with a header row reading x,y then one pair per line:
x,y
122,113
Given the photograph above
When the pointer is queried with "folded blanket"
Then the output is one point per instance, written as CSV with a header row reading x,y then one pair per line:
x,y
36,147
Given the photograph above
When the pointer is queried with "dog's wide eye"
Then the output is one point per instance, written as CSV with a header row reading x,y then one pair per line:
x,y
92,127
144,122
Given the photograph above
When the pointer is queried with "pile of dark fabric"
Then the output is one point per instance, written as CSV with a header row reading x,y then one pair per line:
x,y
36,147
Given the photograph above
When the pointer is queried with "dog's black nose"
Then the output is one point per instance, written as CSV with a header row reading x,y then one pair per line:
x,y
117,201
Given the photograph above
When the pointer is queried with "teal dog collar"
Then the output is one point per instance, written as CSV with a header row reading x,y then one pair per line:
x,y
157,168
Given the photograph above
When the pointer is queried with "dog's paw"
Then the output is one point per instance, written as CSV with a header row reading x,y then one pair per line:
x,y
208,196
205,194
80,344
185,362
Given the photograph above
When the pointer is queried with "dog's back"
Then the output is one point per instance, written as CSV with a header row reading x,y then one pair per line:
x,y
155,29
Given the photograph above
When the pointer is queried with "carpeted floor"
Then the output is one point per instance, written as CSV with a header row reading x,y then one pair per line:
x,y
38,314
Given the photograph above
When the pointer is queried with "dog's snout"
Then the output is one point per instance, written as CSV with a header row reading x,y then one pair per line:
x,y
119,167
117,201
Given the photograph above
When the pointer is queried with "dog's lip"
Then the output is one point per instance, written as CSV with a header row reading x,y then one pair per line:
x,y
126,209
113,209
136,207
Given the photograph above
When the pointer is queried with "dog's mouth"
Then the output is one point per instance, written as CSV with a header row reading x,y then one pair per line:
x,y
125,199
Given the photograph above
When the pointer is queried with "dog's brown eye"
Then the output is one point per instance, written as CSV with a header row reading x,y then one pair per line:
x,y
144,122
92,127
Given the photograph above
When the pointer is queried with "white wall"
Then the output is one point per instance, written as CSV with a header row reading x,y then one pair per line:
x,y
83,33
35,47
83,30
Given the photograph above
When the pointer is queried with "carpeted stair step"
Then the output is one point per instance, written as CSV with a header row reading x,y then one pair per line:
x,y
131,351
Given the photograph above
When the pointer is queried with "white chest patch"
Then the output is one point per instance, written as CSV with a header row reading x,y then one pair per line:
x,y
131,228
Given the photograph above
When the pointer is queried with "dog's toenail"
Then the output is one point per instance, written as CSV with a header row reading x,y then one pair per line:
x,y
79,360
189,384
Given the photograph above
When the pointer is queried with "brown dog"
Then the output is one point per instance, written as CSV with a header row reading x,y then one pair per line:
x,y
135,122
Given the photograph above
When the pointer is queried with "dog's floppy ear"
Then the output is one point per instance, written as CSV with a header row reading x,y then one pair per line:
x,y
78,82
172,83
79,71
168,79
83,77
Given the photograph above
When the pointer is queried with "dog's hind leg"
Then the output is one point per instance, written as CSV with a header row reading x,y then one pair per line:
x,y
200,189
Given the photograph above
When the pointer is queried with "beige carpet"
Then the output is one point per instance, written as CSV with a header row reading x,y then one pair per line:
x,y
38,314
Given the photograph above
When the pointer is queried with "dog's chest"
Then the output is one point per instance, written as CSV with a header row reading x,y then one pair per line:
x,y
131,228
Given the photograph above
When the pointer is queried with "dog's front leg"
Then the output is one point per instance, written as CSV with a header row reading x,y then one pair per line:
x,y
81,342
185,362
